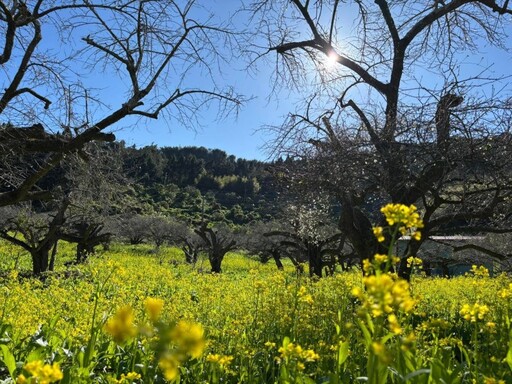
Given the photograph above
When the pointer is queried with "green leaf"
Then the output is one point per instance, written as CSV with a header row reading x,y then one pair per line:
x,y
342,353
409,360
423,371
8,359
366,333
36,354
509,354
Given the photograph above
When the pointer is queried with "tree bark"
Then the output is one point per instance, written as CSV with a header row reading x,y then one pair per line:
x,y
277,259
315,260
216,262
40,260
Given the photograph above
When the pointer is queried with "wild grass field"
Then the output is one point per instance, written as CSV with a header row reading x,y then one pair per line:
x,y
130,316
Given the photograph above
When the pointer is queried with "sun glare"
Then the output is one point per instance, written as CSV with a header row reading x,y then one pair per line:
x,y
331,60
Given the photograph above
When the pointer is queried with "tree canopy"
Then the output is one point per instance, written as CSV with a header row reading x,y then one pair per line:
x,y
376,128
55,52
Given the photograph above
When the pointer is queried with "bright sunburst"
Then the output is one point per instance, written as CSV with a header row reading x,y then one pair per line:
x,y
331,60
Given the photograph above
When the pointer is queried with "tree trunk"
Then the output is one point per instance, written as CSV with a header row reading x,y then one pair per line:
x,y
427,268
315,260
52,258
40,260
191,253
277,259
445,270
357,228
216,261
81,253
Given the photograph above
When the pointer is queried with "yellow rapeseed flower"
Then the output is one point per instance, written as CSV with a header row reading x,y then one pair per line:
x,y
414,262
128,378
121,326
169,364
270,344
384,295
491,380
379,258
474,312
188,337
394,326
381,352
479,271
153,308
402,215
297,353
367,266
310,355
379,234
222,360
378,348
40,373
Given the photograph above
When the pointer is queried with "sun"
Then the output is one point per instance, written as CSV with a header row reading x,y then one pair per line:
x,y
331,59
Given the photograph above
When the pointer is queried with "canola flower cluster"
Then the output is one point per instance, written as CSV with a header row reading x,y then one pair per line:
x,y
40,373
402,217
386,296
189,341
154,307
294,352
130,377
121,326
475,312
505,293
222,360
178,342
491,380
479,271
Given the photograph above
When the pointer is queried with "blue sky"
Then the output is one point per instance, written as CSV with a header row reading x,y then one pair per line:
x,y
242,135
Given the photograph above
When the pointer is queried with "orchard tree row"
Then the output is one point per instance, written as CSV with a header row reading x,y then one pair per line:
x,y
396,105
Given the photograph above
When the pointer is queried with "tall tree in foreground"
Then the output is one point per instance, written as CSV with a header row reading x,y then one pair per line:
x,y
396,114
148,54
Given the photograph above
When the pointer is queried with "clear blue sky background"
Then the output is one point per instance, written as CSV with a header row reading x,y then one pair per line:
x,y
240,135
243,136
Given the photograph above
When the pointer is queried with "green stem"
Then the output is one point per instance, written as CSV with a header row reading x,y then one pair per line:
x,y
475,349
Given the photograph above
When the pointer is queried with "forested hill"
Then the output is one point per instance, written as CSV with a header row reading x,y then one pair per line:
x,y
195,182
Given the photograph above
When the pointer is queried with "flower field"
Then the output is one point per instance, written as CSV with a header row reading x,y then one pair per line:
x,y
133,317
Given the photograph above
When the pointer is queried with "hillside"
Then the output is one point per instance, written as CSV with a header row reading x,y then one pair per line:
x,y
195,182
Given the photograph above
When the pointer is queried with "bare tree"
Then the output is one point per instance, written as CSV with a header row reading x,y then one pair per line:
x,y
132,227
391,117
95,186
256,242
154,52
217,242
310,236
87,188
181,235
37,233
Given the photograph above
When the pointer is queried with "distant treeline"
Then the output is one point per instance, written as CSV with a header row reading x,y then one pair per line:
x,y
196,183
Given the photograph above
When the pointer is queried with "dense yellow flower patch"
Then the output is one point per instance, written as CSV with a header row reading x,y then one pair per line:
x,y
158,317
